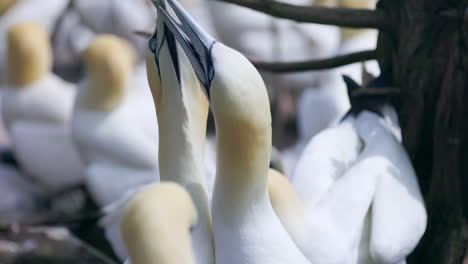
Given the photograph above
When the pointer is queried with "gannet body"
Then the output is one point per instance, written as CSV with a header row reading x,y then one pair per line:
x,y
324,160
398,215
36,108
391,232
318,108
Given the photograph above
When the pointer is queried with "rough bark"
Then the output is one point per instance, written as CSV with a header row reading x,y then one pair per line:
x,y
427,54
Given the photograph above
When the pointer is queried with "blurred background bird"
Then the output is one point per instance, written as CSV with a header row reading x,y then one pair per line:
x,y
36,109
117,142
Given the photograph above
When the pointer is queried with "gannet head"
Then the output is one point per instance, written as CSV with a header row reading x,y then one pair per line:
x,y
376,102
218,68
110,62
29,56
235,89
5,5
376,107
156,225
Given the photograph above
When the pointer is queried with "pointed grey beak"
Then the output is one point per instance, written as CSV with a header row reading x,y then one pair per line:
x,y
194,40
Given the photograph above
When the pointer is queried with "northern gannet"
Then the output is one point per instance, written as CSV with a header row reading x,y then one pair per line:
x,y
36,108
114,128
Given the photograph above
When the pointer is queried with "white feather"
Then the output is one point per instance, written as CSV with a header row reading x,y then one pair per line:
x,y
37,118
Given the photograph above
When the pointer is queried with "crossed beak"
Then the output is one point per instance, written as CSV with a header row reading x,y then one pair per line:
x,y
194,40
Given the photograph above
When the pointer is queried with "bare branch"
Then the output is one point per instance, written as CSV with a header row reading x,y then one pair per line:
x,y
321,64
381,91
345,17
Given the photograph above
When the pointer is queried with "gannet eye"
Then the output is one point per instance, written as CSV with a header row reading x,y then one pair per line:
x,y
152,43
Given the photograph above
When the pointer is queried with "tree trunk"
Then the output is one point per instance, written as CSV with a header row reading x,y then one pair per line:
x,y
427,54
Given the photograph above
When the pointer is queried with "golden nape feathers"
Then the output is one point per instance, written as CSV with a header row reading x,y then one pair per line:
x,y
156,225
283,196
29,54
5,5
110,62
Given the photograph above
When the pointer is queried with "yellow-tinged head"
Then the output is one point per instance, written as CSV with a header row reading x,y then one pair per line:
x,y
110,62
29,56
5,5
156,225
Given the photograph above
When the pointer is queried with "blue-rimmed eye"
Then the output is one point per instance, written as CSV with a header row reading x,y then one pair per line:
x,y
152,43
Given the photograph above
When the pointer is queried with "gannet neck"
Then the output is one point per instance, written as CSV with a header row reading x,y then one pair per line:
x,y
244,221
156,225
243,128
202,233
29,54
5,5
110,62
182,111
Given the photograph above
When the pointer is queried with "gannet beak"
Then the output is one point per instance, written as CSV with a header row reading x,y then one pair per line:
x,y
194,40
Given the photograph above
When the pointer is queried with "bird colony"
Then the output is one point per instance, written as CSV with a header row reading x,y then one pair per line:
x,y
114,96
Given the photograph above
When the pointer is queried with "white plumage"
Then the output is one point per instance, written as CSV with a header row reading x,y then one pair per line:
x,y
398,213
318,108
324,160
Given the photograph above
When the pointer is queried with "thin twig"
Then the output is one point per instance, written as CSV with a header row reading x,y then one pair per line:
x,y
380,91
345,17
320,64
